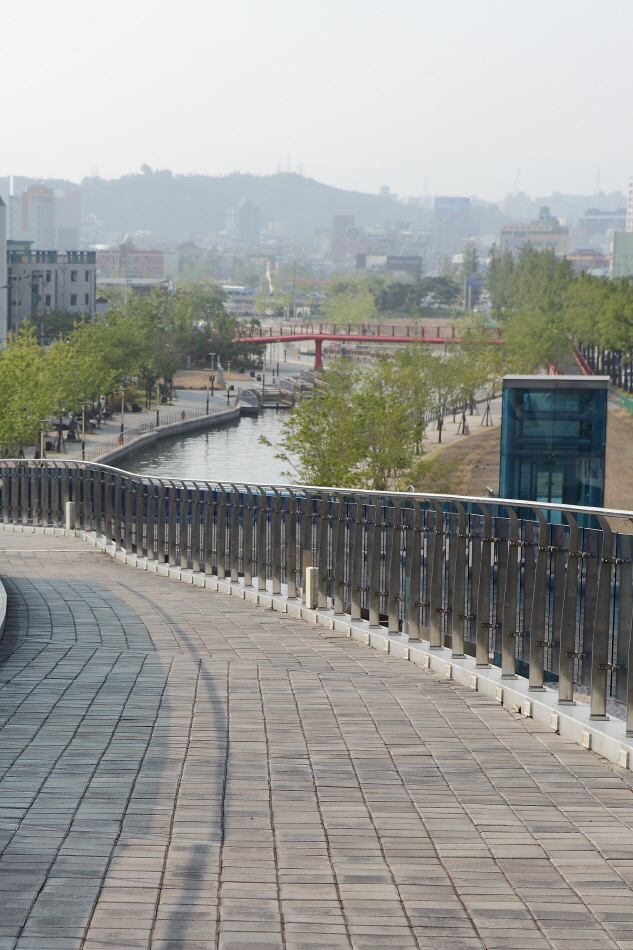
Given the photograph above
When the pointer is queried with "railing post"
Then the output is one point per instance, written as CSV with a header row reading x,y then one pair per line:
x,y
234,561
600,645
292,564
323,545
129,514
140,505
207,529
338,553
172,540
275,553
537,623
357,561
197,554
509,613
567,635
414,583
484,624
436,607
394,548
118,511
306,531
262,518
220,533
373,564
459,618
247,560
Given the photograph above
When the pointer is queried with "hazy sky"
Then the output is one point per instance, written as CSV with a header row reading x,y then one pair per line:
x,y
442,96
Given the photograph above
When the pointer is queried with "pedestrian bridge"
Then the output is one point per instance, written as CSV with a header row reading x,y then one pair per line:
x,y
361,333
246,716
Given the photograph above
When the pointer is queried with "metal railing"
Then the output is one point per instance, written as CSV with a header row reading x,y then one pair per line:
x,y
545,591
94,450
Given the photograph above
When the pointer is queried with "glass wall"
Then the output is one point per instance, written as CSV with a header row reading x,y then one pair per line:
x,y
553,434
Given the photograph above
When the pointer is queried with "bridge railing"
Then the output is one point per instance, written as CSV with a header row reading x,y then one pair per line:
x,y
541,590
364,331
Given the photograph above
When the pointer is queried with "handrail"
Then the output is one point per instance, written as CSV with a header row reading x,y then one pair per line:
x,y
538,588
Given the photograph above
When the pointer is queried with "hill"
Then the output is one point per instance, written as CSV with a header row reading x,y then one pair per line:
x,y
171,205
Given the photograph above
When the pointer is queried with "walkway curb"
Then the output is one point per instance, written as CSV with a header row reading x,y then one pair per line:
x,y
606,737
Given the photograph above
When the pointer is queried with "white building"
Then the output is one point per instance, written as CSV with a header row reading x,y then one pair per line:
x,y
32,217
3,271
41,282
629,206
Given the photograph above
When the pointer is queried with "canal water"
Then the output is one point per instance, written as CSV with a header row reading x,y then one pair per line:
x,y
227,453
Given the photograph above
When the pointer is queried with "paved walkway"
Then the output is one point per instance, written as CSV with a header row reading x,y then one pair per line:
x,y
184,771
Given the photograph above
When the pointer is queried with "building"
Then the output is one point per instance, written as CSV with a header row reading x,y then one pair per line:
x,y
590,261
629,206
243,222
67,217
622,254
596,221
130,262
544,234
450,226
32,217
3,271
41,282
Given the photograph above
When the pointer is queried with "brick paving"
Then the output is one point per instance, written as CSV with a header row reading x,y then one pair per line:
x,y
180,770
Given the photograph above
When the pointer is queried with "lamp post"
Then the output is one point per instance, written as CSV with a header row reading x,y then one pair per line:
x,y
84,406
122,409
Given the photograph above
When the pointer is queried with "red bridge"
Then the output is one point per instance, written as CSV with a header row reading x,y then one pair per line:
x,y
363,333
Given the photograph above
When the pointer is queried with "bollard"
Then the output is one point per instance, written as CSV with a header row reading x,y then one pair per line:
x,y
70,515
311,585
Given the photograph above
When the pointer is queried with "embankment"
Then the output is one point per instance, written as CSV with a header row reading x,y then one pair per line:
x,y
114,456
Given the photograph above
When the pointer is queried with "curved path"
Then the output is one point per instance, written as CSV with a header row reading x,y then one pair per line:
x,y
184,771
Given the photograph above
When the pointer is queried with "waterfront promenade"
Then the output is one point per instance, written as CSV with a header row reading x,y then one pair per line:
x,y
182,770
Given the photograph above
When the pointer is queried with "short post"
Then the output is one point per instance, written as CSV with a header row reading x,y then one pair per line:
x,y
70,515
311,585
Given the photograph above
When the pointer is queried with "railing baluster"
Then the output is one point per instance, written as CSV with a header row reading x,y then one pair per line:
x,y
292,561
262,519
600,646
538,628
275,544
567,632
507,582
235,534
458,600
437,581
374,553
357,559
323,538
220,533
339,546
484,623
249,515
394,555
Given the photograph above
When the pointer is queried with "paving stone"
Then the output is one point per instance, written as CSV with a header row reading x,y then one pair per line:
x,y
176,764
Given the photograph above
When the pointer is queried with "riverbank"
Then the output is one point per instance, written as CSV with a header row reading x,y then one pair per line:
x,y
181,428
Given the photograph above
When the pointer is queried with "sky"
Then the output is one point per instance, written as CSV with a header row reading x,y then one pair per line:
x,y
448,97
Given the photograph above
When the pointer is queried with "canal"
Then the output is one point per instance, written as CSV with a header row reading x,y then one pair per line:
x,y
228,453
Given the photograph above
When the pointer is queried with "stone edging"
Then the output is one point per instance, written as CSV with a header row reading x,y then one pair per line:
x,y
607,738
174,428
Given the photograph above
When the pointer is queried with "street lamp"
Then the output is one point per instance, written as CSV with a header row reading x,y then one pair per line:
x,y
122,409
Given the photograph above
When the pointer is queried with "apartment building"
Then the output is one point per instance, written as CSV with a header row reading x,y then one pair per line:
x,y
40,282
545,234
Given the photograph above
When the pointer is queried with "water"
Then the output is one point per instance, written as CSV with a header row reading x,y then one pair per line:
x,y
231,452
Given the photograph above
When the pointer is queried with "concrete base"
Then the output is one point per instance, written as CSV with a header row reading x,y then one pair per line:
x,y
606,737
